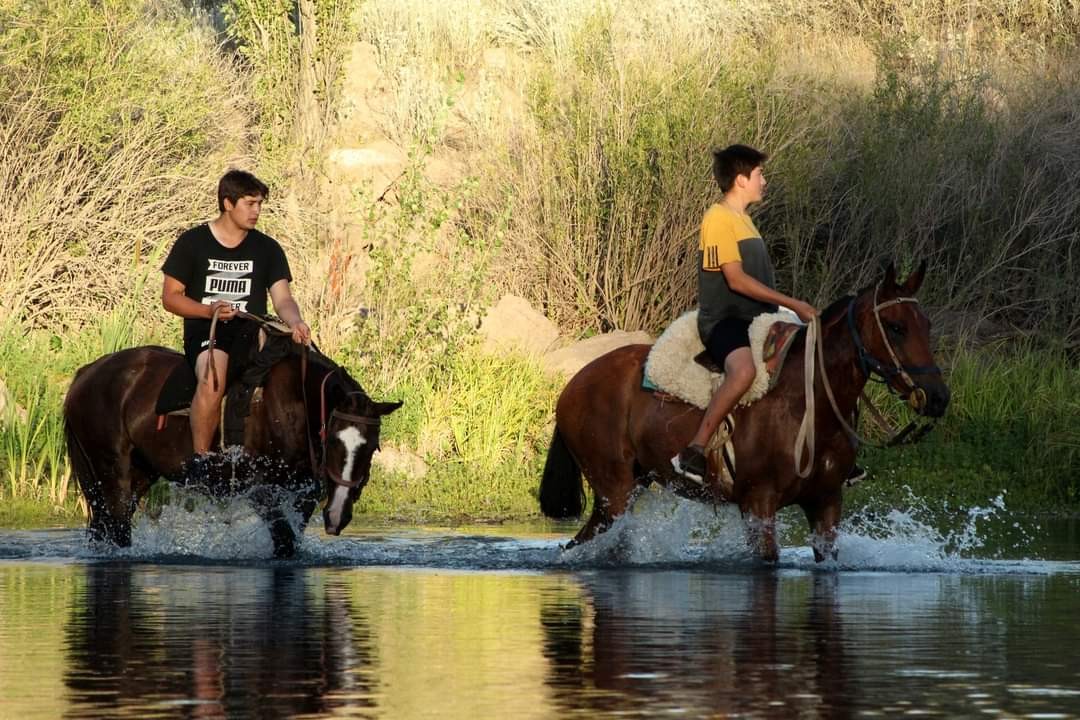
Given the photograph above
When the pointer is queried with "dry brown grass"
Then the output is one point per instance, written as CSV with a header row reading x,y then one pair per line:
x,y
933,128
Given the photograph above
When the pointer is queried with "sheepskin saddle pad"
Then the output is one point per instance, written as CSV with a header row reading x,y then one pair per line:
x,y
672,367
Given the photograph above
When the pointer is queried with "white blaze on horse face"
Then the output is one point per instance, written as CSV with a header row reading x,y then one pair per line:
x,y
353,440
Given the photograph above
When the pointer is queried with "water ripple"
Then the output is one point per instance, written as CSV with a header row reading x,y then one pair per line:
x,y
663,531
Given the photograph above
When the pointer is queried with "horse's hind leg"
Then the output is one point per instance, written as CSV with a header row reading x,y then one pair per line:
x,y
112,503
597,522
613,492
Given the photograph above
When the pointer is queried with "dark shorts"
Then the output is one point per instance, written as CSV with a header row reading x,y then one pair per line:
x,y
230,337
727,335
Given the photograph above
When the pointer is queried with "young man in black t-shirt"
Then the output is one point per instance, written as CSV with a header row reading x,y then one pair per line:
x,y
225,265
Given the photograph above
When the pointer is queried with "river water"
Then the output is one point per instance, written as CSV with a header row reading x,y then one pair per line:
x,y
972,613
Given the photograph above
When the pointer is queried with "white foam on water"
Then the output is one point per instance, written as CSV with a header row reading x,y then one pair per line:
x,y
195,525
661,530
664,529
917,538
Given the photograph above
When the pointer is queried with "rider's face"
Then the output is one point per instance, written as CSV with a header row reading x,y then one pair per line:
x,y
756,185
245,213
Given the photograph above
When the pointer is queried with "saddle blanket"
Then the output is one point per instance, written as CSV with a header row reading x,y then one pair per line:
x,y
671,366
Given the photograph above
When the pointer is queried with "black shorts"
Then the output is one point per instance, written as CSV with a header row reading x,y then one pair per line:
x,y
230,337
727,335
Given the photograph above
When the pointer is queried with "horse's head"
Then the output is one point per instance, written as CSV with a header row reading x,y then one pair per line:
x,y
349,437
892,336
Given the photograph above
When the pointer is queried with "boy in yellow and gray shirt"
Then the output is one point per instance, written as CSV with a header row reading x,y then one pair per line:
x,y
735,284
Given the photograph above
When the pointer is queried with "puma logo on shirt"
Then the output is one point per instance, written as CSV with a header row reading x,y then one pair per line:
x,y
228,281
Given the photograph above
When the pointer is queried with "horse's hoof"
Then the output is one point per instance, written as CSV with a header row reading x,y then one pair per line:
x,y
284,539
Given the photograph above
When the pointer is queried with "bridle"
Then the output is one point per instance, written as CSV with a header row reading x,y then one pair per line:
x,y
870,366
317,466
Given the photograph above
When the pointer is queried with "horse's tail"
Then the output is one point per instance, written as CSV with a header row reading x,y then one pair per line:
x,y
81,467
561,492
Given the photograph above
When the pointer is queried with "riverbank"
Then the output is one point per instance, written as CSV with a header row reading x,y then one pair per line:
x,y
477,436
557,153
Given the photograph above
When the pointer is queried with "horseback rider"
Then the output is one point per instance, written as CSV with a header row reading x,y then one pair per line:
x,y
735,284
225,266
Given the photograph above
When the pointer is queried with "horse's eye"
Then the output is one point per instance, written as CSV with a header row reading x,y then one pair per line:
x,y
895,328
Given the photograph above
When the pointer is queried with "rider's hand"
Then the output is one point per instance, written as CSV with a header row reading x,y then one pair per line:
x,y
805,311
227,309
301,333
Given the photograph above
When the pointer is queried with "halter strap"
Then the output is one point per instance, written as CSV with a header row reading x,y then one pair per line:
x,y
804,440
317,467
870,365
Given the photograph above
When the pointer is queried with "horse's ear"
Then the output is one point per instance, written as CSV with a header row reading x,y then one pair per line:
x,y
914,281
890,275
386,408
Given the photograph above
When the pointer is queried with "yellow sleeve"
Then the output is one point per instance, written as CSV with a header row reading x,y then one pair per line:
x,y
719,243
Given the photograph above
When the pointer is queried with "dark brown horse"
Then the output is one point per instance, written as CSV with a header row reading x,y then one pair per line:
x,y
313,423
622,436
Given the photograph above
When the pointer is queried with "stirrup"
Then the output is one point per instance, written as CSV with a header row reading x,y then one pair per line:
x,y
856,476
683,472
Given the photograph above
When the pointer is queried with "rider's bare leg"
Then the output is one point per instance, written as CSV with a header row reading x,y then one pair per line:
x,y
738,377
206,404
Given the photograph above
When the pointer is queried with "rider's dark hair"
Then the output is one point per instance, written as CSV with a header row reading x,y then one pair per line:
x,y
735,160
236,184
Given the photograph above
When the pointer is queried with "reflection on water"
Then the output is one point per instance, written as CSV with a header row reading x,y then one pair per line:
x,y
159,640
678,642
214,641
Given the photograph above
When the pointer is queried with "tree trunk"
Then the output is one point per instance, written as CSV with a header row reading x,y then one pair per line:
x,y
308,126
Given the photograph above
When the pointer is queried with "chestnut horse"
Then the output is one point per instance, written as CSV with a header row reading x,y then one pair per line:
x,y
622,436
313,423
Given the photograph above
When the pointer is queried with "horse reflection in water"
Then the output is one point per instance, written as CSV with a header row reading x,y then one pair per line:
x,y
275,648
627,641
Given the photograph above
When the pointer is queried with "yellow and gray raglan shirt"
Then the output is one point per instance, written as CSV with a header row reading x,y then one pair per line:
x,y
728,236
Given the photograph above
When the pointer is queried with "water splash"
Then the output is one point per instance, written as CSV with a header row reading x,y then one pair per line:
x,y
663,529
916,537
196,525
193,521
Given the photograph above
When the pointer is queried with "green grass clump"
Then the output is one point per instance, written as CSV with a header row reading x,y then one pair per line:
x,y
481,426
1012,428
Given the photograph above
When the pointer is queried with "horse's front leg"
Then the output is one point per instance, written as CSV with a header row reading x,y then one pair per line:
x,y
824,517
759,514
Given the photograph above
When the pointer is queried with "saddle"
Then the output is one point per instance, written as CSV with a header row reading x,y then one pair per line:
x,y
680,367
244,379
678,364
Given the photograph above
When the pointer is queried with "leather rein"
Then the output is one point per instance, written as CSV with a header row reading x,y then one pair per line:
x,y
317,467
870,366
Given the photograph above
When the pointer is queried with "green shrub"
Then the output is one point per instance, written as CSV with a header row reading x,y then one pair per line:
x,y
481,426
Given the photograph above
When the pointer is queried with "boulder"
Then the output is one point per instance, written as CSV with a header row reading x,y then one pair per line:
x,y
400,461
378,164
570,359
513,325
8,406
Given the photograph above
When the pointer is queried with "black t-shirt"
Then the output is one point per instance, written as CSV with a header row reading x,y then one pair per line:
x,y
210,271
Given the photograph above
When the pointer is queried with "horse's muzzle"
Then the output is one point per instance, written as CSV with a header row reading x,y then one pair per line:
x,y
930,399
329,527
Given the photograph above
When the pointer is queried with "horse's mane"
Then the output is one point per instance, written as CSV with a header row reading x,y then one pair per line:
x,y
342,377
835,310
